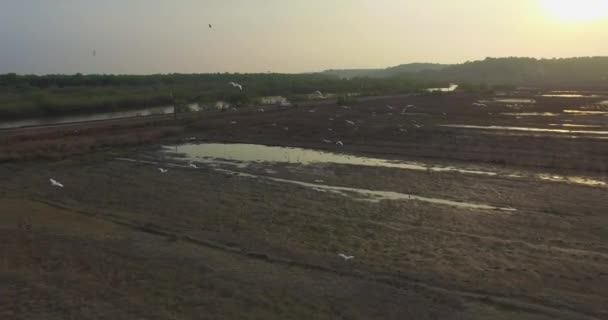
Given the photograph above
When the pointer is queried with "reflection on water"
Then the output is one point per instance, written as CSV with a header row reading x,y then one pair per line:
x,y
241,155
586,112
228,153
462,126
570,95
47,121
530,114
371,195
356,193
522,101
577,180
451,88
570,125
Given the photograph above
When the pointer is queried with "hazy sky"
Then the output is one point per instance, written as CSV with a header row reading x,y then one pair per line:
x,y
152,36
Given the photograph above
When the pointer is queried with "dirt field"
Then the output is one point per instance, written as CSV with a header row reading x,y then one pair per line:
x,y
122,240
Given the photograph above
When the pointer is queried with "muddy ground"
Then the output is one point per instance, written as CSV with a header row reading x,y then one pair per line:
x,y
122,240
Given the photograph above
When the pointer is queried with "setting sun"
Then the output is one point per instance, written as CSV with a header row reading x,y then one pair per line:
x,y
577,10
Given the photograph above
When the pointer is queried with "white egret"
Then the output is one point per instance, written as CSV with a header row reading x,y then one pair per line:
x,y
236,85
56,183
345,257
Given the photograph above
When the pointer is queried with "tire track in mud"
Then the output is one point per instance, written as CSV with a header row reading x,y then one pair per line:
x,y
396,281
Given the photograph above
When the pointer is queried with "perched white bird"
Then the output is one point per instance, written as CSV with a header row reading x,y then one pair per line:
x,y
345,257
236,85
163,170
320,94
56,183
340,143
350,122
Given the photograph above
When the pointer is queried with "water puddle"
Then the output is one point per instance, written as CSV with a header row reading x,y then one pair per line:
x,y
356,193
527,129
569,95
48,121
576,180
451,88
522,101
586,112
570,125
530,114
242,154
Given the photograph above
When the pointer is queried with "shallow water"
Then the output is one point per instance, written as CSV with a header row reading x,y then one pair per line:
x,y
530,114
241,155
238,154
586,112
48,121
569,95
355,193
522,101
507,128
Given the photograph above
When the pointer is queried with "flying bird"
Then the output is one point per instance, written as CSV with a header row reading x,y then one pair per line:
x,y
163,170
56,183
407,107
236,85
345,257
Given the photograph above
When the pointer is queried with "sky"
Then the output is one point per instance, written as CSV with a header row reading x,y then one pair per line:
x,y
163,36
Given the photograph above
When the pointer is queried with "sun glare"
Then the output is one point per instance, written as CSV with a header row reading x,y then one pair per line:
x,y
577,10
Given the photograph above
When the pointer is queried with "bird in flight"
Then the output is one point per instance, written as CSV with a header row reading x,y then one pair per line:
x,y
345,257
236,85
56,183
163,170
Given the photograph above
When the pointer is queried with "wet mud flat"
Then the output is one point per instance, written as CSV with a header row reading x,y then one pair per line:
x,y
443,223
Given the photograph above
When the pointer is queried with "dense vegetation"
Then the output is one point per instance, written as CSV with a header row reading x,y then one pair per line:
x,y
385,73
32,95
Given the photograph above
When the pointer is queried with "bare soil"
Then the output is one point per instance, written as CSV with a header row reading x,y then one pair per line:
x,y
124,241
